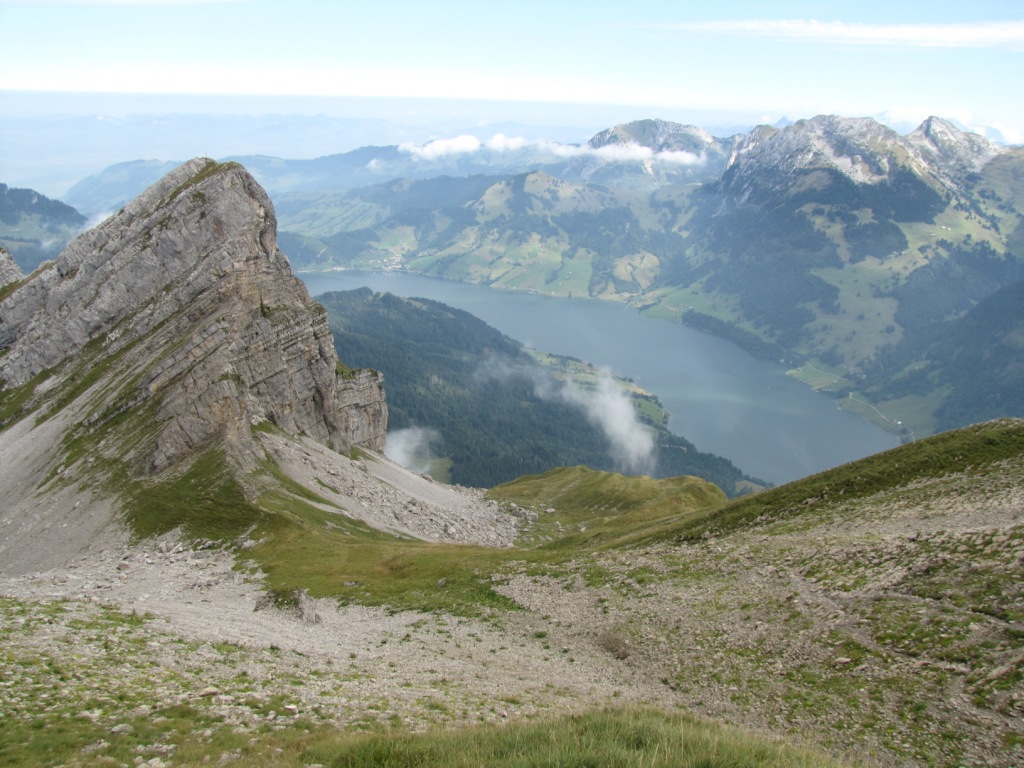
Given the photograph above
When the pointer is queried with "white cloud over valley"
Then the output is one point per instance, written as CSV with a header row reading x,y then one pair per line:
x,y
467,144
413,448
631,444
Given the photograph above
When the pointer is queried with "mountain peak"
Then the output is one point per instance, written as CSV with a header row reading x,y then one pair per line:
x,y
957,151
657,135
154,244
186,296
863,149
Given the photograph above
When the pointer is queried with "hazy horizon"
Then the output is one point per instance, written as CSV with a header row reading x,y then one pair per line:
x,y
78,77
109,128
50,141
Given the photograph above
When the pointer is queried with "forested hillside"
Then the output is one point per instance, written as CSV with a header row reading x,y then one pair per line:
x,y
33,227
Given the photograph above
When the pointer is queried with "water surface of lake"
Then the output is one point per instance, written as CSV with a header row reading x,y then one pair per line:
x,y
721,399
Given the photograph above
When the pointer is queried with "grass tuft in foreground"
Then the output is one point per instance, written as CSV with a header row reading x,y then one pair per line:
x,y
606,739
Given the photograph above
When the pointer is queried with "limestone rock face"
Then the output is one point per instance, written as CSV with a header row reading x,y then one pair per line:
x,y
10,272
185,302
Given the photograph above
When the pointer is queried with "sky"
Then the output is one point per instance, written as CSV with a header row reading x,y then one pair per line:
x,y
743,61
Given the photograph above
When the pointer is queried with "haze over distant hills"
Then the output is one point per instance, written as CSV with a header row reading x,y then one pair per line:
x,y
36,129
836,244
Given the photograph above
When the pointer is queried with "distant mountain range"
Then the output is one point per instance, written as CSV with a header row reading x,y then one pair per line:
x,y
848,250
33,227
835,244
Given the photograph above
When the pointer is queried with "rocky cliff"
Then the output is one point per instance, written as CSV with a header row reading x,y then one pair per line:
x,y
861,149
9,270
185,294
169,374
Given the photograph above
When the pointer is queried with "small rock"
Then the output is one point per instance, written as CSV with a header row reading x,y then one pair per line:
x,y
306,607
122,728
209,691
291,709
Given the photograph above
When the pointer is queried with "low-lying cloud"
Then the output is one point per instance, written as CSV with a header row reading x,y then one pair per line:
x,y
413,448
631,445
468,144
438,148
97,218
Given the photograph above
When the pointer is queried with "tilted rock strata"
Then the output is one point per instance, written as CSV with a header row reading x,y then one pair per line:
x,y
10,272
186,291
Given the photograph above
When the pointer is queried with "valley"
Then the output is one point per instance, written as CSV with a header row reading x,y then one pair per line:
x,y
718,397
833,242
205,557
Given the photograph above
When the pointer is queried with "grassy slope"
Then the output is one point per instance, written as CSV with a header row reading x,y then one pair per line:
x,y
108,666
597,519
876,606
973,449
582,509
591,512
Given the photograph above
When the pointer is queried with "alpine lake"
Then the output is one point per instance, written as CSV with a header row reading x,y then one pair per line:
x,y
720,398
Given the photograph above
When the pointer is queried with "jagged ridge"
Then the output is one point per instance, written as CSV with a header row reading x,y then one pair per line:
x,y
187,290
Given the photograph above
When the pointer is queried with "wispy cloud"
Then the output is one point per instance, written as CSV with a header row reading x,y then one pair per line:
x,y
994,34
413,448
434,150
631,444
626,152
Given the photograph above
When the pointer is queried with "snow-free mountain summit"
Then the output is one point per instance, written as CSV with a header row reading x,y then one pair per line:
x,y
172,339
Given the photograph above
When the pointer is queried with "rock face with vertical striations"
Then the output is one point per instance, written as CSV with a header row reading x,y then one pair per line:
x,y
169,374
10,272
185,295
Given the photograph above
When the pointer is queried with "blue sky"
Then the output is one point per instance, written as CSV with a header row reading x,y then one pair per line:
x,y
757,60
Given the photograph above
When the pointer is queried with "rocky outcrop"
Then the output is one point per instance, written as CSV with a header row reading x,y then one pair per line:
x,y
186,302
861,149
10,272
958,152
660,136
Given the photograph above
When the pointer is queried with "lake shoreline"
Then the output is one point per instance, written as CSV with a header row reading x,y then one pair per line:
x,y
720,397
